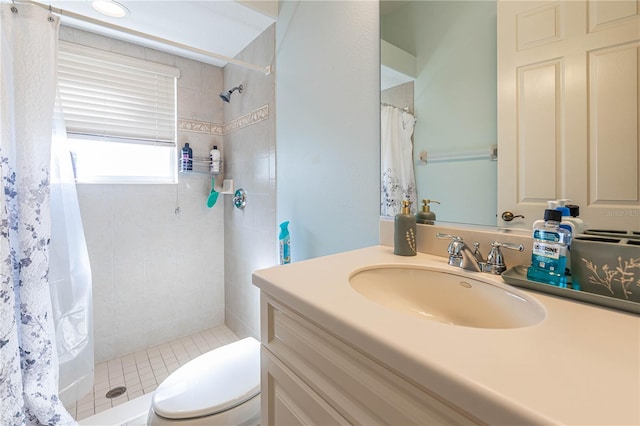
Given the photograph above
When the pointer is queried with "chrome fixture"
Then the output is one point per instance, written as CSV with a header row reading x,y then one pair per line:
x,y
226,96
495,262
460,255
240,199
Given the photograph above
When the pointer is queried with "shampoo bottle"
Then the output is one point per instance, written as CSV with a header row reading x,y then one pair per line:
x,y
574,212
285,243
562,206
567,224
215,157
426,216
186,163
550,249
404,236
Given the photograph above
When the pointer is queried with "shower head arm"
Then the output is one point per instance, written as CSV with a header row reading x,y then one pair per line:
x,y
226,96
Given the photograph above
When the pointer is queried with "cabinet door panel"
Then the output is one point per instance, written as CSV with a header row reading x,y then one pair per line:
x,y
356,386
287,400
613,136
538,121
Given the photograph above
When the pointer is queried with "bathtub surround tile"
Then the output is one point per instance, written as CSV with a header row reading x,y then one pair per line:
x,y
160,57
128,49
251,234
190,73
189,103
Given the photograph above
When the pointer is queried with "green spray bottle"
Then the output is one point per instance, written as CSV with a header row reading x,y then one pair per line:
x,y
285,243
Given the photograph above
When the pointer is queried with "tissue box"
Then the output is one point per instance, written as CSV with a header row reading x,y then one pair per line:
x,y
607,266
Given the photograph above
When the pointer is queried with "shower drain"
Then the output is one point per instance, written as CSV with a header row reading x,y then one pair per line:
x,y
116,392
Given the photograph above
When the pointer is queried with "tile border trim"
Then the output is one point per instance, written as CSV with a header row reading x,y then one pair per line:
x,y
206,127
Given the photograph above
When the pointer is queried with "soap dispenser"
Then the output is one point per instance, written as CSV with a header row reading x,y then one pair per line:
x,y
404,237
426,215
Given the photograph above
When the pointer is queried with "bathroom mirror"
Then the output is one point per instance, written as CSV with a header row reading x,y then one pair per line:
x,y
453,94
450,84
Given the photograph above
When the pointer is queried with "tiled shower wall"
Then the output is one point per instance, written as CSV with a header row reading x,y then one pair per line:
x,y
156,251
250,159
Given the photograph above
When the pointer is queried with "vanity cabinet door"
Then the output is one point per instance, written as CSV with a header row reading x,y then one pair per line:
x,y
303,362
287,400
568,111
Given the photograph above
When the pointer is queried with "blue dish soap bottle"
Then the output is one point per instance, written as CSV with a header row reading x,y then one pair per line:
x,y
285,243
549,256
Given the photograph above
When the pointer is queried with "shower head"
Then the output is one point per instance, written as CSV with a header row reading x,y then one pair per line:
x,y
226,96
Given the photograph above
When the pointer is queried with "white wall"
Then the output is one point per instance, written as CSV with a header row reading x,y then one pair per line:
x,y
455,101
328,125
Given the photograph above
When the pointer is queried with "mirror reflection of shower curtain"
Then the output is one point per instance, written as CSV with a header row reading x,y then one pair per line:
x,y
398,180
69,274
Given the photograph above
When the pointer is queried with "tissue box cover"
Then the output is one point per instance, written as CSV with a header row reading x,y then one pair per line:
x,y
607,266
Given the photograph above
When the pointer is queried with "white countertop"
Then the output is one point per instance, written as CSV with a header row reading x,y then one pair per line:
x,y
579,366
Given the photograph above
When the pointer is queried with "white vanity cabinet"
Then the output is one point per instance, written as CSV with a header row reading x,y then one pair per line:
x,y
331,356
310,376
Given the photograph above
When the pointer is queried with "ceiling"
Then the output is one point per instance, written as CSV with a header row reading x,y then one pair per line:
x,y
224,27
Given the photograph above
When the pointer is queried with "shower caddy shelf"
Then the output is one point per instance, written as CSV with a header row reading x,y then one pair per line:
x,y
202,166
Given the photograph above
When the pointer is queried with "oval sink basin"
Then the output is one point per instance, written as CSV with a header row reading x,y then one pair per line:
x,y
446,297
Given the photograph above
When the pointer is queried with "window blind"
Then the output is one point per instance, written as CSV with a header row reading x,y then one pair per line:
x,y
110,96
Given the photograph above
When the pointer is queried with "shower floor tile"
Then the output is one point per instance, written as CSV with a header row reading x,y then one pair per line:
x,y
141,372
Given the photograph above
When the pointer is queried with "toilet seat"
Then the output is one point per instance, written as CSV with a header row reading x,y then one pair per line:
x,y
211,383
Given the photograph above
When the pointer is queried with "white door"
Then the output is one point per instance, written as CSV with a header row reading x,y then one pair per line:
x,y
568,112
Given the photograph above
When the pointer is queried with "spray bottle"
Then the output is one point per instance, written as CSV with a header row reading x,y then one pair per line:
x,y
285,243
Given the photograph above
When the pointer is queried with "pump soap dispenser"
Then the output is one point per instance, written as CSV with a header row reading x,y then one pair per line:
x,y
404,236
426,215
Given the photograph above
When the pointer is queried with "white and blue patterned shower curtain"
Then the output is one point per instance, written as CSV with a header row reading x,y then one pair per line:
x,y
397,177
28,358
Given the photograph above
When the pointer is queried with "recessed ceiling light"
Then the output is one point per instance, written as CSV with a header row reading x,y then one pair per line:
x,y
110,8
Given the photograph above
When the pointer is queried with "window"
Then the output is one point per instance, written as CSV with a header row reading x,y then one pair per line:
x,y
120,115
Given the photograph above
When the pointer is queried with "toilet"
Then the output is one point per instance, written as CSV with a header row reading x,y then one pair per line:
x,y
220,387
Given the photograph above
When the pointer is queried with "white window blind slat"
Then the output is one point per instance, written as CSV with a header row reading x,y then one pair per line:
x,y
106,95
121,60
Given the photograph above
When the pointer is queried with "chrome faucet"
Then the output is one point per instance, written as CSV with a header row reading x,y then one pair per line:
x,y
495,261
460,255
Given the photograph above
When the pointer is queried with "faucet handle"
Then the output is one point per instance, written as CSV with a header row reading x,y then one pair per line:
x,y
448,237
495,260
510,246
455,248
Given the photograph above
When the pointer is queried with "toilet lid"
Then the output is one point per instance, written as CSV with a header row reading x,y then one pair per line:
x,y
211,383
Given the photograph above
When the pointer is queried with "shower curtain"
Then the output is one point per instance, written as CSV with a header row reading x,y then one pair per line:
x,y
69,274
398,180
29,363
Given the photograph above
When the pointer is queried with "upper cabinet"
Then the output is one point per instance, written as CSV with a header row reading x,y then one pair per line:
x,y
568,110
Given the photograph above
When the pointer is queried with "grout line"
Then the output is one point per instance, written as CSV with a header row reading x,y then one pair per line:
x,y
142,371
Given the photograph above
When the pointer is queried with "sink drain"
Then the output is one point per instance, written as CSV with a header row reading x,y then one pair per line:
x,y
116,392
